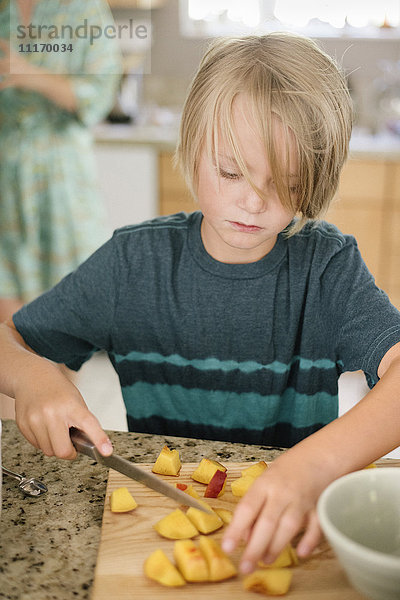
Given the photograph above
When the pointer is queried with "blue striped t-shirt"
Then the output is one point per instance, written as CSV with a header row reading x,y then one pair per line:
x,y
242,352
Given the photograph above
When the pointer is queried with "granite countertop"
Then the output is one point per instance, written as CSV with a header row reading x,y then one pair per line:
x,y
48,545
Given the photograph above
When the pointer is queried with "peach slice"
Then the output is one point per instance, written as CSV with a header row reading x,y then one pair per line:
x,y
121,500
190,561
220,567
241,485
176,526
225,514
287,558
217,484
168,462
204,522
273,582
188,489
159,568
192,492
206,470
255,470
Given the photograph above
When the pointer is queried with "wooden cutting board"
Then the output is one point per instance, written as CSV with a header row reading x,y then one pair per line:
x,y
128,539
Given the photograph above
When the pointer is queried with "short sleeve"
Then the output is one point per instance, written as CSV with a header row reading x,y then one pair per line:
x,y
71,321
359,317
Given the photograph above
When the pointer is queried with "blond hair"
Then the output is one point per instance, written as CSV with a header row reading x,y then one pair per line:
x,y
283,76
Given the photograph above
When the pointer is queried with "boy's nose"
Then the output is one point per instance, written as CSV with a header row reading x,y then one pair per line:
x,y
252,202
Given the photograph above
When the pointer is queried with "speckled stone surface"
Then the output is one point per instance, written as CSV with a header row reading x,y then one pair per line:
x,y
48,545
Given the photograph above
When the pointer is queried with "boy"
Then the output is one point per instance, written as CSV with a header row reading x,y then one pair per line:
x,y
234,322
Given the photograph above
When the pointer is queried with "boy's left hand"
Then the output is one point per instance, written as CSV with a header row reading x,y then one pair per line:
x,y
280,503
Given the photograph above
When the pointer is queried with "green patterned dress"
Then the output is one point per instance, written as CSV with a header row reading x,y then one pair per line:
x,y
51,213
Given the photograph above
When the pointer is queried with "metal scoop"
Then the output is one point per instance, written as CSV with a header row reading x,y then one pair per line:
x,y
29,486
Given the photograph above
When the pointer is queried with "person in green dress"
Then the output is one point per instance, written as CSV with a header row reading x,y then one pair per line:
x,y
51,215
51,92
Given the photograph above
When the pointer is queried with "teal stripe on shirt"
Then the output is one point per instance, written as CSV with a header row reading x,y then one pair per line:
x,y
215,364
214,408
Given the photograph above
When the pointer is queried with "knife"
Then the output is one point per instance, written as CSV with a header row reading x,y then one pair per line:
x,y
85,446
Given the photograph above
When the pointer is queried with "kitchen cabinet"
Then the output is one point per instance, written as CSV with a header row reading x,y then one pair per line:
x,y
174,195
359,209
128,182
367,206
392,231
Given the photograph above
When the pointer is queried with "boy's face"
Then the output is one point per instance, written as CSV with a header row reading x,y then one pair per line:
x,y
239,226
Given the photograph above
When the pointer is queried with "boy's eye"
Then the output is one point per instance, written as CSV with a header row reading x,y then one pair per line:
x,y
294,189
229,174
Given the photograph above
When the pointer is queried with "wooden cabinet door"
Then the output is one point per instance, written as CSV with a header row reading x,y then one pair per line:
x,y
365,225
392,247
394,261
359,211
363,180
174,195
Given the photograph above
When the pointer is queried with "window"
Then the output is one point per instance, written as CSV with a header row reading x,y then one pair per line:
x,y
329,18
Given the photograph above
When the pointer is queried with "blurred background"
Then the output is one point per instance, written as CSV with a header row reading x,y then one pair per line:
x,y
134,145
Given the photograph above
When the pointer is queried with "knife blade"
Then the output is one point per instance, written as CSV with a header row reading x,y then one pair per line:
x,y
85,446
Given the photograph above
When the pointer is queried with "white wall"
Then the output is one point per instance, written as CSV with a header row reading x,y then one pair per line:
x,y
128,180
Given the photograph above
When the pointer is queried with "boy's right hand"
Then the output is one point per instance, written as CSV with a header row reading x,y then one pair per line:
x,y
47,404
48,407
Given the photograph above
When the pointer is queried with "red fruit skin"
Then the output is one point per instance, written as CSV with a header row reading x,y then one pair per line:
x,y
215,485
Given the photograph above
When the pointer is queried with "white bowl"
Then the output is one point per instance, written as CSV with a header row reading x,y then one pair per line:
x,y
360,516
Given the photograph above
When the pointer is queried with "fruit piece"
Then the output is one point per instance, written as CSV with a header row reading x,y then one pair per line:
x,y
371,466
287,558
273,582
217,484
225,514
206,470
181,486
220,567
190,561
205,522
255,470
176,526
159,568
240,486
121,500
192,492
168,462
188,489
